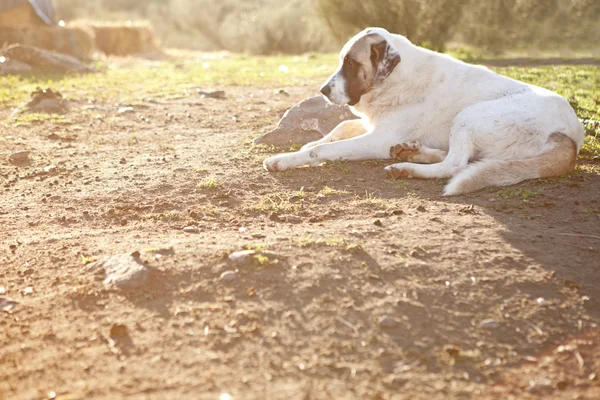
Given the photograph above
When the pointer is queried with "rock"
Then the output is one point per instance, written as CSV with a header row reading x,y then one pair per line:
x,y
293,219
10,66
396,380
539,384
243,257
214,94
118,331
50,169
380,214
45,101
541,302
26,291
2,290
19,158
421,209
228,276
377,222
387,322
45,59
307,121
125,110
489,324
7,304
122,271
191,229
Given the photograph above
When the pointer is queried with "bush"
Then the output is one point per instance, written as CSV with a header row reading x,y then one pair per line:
x,y
430,23
499,25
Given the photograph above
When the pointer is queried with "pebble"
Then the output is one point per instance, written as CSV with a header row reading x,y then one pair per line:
x,y
7,304
126,110
293,219
215,94
191,229
489,324
540,383
50,169
19,156
387,322
380,214
122,271
541,301
118,331
2,290
242,257
377,222
228,276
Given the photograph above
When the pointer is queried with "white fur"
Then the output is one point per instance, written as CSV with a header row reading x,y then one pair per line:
x,y
445,104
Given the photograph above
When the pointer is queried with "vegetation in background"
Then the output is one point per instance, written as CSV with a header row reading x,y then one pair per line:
x,y
426,22
299,26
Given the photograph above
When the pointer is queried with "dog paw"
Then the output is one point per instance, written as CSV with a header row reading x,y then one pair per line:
x,y
405,151
277,163
397,171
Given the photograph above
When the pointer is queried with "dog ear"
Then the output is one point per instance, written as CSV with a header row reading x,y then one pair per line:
x,y
384,59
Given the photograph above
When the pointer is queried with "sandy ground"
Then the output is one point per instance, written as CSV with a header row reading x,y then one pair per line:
x,y
364,288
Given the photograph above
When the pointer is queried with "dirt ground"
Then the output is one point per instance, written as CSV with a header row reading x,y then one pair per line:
x,y
364,288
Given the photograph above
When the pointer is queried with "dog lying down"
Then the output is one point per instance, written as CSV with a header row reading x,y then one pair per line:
x,y
436,114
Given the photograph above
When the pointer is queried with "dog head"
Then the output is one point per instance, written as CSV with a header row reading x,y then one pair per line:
x,y
365,62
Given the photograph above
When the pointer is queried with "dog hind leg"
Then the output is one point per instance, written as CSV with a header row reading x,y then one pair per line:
x,y
417,153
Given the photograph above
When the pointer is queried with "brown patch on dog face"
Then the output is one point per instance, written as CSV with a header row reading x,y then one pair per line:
x,y
367,63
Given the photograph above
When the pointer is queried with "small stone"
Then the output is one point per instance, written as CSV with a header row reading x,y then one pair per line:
x,y
541,301
387,322
126,110
122,271
2,290
380,214
191,229
27,290
562,385
377,222
397,212
214,94
421,209
50,169
7,304
396,380
19,157
489,324
539,384
242,257
228,276
118,331
293,219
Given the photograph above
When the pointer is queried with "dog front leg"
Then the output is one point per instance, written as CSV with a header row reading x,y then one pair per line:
x,y
345,130
364,147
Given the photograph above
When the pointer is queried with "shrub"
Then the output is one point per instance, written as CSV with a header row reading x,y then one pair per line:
x,y
430,23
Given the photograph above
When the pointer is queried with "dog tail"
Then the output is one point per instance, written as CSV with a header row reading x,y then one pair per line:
x,y
557,161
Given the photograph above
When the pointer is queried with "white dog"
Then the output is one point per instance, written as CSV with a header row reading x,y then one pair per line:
x,y
437,113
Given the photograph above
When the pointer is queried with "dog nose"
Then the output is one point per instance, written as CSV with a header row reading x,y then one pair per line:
x,y
326,90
